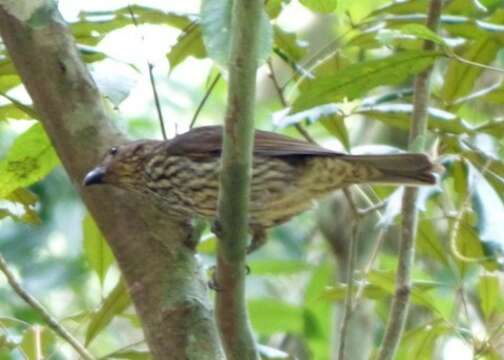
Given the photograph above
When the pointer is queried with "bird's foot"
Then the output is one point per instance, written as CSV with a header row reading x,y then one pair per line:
x,y
258,239
212,283
217,228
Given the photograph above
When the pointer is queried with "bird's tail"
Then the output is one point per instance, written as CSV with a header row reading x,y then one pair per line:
x,y
407,169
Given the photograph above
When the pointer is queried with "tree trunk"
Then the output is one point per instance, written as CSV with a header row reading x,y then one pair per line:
x,y
158,263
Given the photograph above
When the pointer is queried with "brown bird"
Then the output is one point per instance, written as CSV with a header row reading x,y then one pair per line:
x,y
287,176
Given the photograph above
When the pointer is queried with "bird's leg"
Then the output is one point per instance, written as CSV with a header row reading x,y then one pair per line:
x,y
259,238
195,230
212,283
216,228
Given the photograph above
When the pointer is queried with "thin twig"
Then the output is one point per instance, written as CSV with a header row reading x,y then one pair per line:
x,y
351,257
475,64
204,100
43,312
400,302
367,269
150,68
122,349
283,101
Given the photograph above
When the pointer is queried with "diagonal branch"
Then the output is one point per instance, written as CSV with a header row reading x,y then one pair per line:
x,y
231,310
418,131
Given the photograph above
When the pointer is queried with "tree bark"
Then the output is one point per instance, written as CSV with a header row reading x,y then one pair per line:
x,y
162,273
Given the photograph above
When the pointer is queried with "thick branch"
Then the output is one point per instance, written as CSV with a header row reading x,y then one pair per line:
x,y
231,308
162,273
418,131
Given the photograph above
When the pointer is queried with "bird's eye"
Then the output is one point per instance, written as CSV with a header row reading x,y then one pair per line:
x,y
113,150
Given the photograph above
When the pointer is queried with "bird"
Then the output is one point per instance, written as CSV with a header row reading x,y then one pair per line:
x,y
288,175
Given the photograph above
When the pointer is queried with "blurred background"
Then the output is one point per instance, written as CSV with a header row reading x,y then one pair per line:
x,y
297,283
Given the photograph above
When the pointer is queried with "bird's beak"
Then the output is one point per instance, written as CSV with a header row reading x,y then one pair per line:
x,y
94,177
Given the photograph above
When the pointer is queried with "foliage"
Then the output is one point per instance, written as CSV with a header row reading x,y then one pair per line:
x,y
356,91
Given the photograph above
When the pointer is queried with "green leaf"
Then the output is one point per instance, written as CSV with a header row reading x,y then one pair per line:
x,y
429,242
399,116
355,80
422,32
7,82
274,8
489,210
27,201
114,304
29,159
90,54
96,249
420,292
287,318
269,353
11,111
289,44
277,267
130,355
460,77
6,67
115,83
467,245
336,127
216,27
489,292
25,108
207,245
189,43
496,96
321,6
330,116
402,8
317,314
94,25
37,341
494,128
420,342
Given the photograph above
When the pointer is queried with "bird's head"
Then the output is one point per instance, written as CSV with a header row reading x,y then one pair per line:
x,y
123,165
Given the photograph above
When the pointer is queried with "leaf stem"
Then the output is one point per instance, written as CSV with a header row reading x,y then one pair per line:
x,y
418,131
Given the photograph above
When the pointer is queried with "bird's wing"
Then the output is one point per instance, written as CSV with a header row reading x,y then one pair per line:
x,y
207,139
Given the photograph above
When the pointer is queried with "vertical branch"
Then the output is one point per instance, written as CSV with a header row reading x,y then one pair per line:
x,y
400,302
351,256
231,312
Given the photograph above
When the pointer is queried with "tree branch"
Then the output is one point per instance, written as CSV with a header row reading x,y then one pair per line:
x,y
351,259
163,276
418,131
231,310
